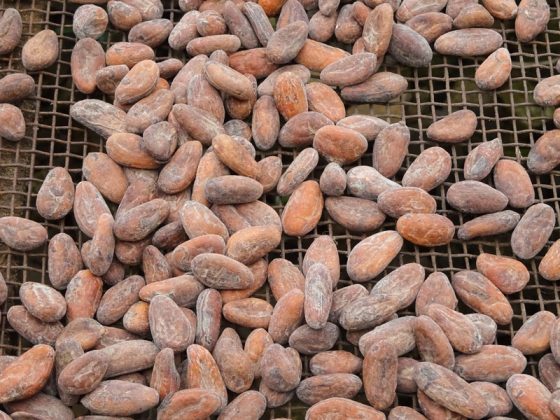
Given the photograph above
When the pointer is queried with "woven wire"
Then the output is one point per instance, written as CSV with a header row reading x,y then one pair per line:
x,y
53,139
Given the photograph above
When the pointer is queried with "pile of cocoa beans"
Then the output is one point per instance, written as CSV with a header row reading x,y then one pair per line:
x,y
158,309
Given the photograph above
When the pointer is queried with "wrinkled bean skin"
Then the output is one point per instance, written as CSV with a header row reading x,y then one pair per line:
x,y
534,336
462,333
341,408
10,30
489,224
493,363
481,160
529,396
532,18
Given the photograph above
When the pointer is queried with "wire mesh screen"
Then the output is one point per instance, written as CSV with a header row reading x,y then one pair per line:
x,y
53,139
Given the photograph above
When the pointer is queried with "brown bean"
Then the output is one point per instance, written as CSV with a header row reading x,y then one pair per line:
x,y
513,180
252,243
400,201
532,19
122,15
534,335
36,407
149,110
255,345
397,333
431,25
378,29
318,296
43,302
316,56
303,209
404,413
210,22
481,160
286,316
33,329
530,396
549,372
508,274
496,397
501,9
492,363
127,150
462,333
494,71
321,387
435,289
380,376
468,42
368,312
239,25
248,405
270,172
408,47
487,225
87,59
548,267
209,316
480,294
432,343
386,245
284,276
235,365
449,390
135,320
473,16
10,30
429,170
185,252
324,99
379,88
405,375
321,27
309,341
137,223
290,95
544,156
300,130
107,398
56,195
333,180
89,21
83,295
26,375
426,229
411,8
433,410
16,86
101,117
533,230
475,197
198,220
347,29
165,378
342,408
40,51
193,403
84,374
339,74
280,368
235,156
221,272
248,312
168,325
453,128
118,299
139,82
13,122
328,140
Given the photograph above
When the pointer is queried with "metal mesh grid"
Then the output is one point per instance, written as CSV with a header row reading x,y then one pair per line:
x,y
53,139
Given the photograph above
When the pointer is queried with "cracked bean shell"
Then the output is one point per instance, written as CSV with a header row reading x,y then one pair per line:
x,y
508,274
469,42
385,245
303,209
533,231
328,142
480,294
